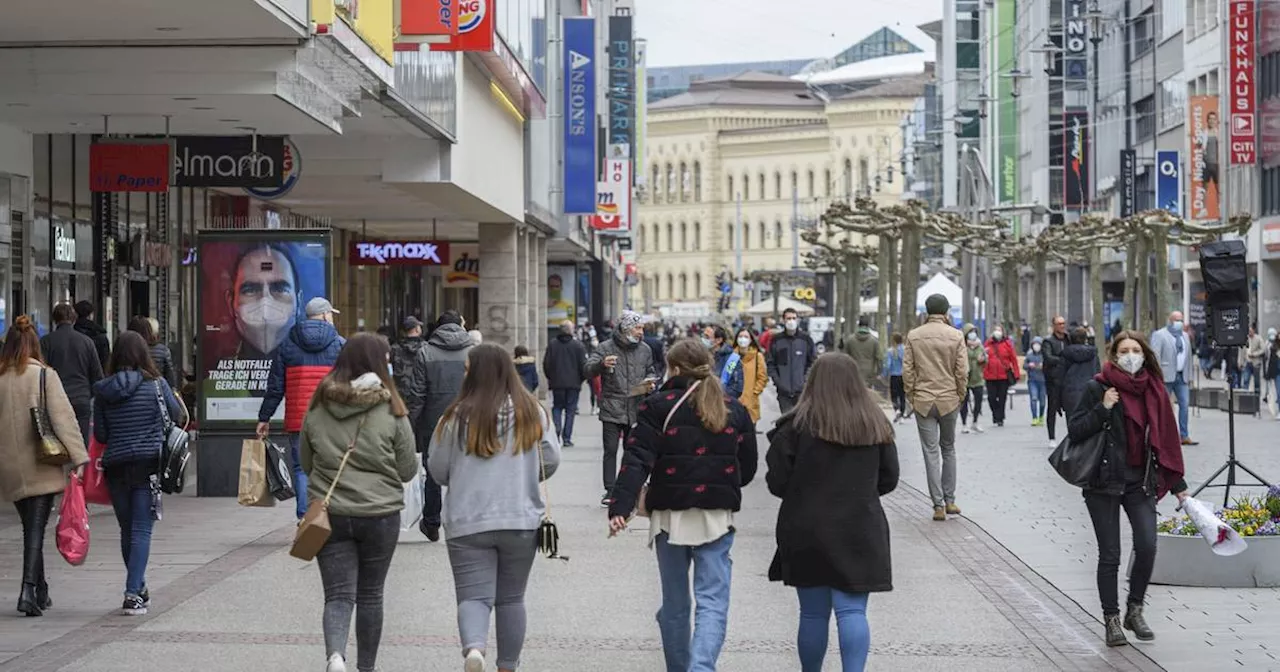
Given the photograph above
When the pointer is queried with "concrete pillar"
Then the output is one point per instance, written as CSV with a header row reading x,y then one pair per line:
x,y
540,302
499,284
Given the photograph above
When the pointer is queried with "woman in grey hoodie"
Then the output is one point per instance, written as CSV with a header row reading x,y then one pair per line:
x,y
493,447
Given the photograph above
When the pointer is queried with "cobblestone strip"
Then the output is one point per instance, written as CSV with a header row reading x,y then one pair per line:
x,y
58,653
1064,632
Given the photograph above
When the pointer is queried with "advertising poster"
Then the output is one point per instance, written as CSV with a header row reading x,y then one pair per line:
x,y
580,165
561,295
1169,181
463,268
1075,157
1006,125
1203,165
253,287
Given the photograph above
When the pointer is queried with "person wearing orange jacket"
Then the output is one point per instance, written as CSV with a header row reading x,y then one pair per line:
x,y
1001,371
755,375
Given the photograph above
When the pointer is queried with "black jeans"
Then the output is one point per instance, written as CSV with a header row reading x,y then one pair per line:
x,y
614,434
35,513
1054,407
787,402
898,394
974,393
1104,509
998,397
432,501
353,568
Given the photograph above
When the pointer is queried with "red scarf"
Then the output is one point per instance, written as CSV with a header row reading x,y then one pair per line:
x,y
1148,415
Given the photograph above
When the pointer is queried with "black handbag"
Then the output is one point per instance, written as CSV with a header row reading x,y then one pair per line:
x,y
175,452
1080,462
548,536
279,475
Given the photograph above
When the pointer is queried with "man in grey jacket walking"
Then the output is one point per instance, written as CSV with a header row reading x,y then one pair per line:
x,y
626,369
438,371
1173,349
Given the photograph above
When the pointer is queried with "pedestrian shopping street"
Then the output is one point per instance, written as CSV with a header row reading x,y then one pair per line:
x,y
1007,587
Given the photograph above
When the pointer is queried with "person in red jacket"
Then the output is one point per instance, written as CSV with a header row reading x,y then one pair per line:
x,y
1000,372
301,362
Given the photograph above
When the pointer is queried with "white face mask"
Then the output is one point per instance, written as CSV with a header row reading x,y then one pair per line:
x,y
997,335
972,337
744,341
1130,362
263,323
1035,347
792,325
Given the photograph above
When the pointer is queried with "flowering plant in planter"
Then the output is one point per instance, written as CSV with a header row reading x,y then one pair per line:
x,y
1248,516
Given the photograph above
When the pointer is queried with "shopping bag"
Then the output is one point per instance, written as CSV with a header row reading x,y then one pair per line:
x,y
254,490
1221,537
279,474
73,523
95,478
414,499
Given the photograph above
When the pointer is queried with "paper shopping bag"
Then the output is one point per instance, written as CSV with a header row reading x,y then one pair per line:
x,y
254,489
95,478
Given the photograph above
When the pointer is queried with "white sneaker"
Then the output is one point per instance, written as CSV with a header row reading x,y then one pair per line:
x,y
1053,444
965,429
336,663
978,428
474,662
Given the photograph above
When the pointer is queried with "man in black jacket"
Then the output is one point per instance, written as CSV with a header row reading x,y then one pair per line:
x,y
405,353
85,325
565,366
1054,368
75,359
791,353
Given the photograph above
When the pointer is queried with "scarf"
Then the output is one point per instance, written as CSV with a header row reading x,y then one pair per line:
x,y
1149,420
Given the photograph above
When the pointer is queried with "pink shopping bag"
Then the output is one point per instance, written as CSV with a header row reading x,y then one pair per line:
x,y
73,523
95,479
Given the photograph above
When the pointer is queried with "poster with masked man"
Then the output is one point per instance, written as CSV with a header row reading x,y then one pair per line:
x,y
253,287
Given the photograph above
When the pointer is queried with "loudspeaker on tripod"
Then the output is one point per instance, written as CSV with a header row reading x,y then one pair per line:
x,y
1226,284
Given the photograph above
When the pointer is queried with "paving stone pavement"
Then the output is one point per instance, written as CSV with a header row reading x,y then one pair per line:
x,y
1007,487
228,596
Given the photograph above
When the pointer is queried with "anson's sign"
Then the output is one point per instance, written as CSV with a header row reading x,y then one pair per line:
x,y
229,161
397,253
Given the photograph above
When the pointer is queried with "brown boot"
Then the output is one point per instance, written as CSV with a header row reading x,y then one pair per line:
x,y
1115,631
953,510
1134,621
939,513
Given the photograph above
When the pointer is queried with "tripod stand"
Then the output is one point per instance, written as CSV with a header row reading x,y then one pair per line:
x,y
1232,463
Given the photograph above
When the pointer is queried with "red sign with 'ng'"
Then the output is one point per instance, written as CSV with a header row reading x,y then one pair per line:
x,y
1242,56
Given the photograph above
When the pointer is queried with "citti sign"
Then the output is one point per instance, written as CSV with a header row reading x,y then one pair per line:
x,y
397,253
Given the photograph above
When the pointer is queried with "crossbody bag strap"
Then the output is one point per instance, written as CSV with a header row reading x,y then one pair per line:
x,y
343,465
679,403
44,401
164,407
542,470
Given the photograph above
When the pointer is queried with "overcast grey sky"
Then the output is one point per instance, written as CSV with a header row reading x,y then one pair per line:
x,y
695,32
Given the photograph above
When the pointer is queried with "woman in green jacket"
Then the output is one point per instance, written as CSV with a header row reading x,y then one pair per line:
x,y
977,360
357,444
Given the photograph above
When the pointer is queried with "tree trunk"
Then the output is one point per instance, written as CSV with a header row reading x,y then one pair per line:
x,y
893,270
911,240
1039,289
1009,293
1095,290
776,284
854,270
1131,283
1144,286
1161,243
842,290
882,288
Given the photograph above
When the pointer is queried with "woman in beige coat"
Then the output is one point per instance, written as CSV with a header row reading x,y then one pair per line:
x,y
30,485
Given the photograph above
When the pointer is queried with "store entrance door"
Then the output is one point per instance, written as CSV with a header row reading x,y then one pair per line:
x,y
139,298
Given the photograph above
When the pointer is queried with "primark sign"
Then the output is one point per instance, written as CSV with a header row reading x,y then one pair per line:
x,y
239,161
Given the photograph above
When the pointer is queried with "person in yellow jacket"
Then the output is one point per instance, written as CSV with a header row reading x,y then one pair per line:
x,y
755,375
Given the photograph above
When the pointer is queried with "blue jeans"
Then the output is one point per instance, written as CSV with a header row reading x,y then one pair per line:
x,y
564,404
299,476
1039,400
816,605
133,513
712,573
1179,390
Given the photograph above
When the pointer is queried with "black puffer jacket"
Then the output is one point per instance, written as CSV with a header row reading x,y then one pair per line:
x,y
1079,366
687,466
403,356
437,378
163,357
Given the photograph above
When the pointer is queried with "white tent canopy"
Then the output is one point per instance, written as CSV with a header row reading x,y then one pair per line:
x,y
938,284
765,308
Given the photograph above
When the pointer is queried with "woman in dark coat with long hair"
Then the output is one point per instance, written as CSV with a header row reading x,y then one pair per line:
x,y
830,461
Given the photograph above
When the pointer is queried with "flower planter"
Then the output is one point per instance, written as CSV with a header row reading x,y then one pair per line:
x,y
1188,561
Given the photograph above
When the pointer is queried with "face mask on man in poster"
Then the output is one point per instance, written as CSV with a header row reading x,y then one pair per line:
x,y
264,298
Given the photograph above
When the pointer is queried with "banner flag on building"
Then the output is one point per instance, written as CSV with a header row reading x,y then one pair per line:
x,y
579,116
1128,182
1006,127
1242,65
1202,122
1075,154
1169,181
613,200
622,82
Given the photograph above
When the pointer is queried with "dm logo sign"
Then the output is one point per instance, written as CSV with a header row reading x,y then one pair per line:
x,y
471,14
292,169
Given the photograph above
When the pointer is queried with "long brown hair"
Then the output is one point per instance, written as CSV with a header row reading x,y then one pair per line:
x,y
490,381
1150,362
365,353
131,353
694,361
21,345
837,407
142,326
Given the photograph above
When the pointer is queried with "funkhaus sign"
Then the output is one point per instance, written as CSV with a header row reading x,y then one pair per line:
x,y
229,161
397,253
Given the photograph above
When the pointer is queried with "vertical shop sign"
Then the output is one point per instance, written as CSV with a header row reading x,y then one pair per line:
x,y
1169,181
1075,153
1075,40
253,286
622,82
1241,60
1202,165
579,116
1128,182
613,199
561,295
476,27
1006,104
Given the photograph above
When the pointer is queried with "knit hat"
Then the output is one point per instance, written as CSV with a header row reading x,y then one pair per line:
x,y
629,320
937,304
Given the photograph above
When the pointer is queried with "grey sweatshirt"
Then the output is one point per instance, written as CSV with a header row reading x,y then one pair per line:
x,y
496,493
